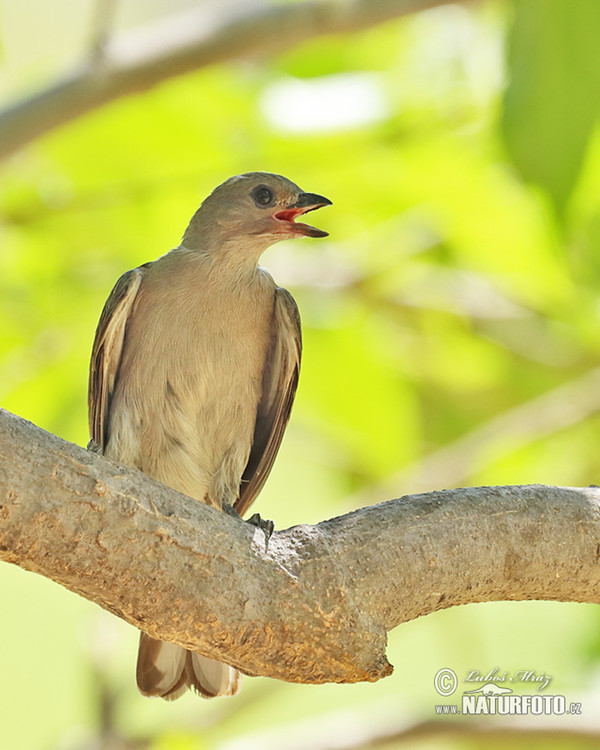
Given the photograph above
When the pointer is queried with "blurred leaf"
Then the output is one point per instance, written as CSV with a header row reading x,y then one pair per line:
x,y
552,100
178,741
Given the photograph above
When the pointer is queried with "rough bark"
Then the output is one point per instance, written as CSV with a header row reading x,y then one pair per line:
x,y
139,61
315,604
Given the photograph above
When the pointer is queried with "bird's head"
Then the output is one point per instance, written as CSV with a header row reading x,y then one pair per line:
x,y
257,208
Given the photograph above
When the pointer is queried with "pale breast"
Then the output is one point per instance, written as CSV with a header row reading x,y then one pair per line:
x,y
190,378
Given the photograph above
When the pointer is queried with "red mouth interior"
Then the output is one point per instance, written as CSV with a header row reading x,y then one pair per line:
x,y
290,214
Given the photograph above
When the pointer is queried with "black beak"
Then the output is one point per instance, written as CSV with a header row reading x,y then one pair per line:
x,y
310,201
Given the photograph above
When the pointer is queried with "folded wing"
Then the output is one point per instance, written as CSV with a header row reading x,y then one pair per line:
x,y
106,354
280,379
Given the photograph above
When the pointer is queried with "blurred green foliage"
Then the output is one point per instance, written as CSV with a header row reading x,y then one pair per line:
x,y
460,283
553,100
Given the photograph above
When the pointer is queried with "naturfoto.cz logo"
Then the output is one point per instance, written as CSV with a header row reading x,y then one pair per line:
x,y
495,697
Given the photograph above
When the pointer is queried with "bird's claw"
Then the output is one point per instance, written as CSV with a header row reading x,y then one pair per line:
x,y
262,523
265,524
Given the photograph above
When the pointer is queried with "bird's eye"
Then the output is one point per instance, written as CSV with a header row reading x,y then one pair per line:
x,y
263,196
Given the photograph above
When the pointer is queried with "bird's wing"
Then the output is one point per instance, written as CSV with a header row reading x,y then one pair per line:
x,y
106,353
280,379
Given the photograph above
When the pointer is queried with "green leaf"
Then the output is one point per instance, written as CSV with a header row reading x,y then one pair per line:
x,y
552,100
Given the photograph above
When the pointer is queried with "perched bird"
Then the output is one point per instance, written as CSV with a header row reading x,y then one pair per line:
x,y
193,373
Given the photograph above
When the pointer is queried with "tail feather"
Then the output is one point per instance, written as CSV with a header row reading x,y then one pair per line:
x,y
211,678
167,671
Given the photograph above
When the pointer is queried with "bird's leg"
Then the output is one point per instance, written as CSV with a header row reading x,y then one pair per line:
x,y
230,510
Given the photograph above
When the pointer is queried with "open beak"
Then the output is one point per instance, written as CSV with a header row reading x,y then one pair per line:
x,y
306,202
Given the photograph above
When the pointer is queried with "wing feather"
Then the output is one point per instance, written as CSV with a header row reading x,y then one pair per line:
x,y
280,380
106,353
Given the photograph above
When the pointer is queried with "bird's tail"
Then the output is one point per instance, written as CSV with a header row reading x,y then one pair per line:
x,y
167,670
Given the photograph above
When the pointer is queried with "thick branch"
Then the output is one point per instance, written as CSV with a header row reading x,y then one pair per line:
x,y
316,604
139,61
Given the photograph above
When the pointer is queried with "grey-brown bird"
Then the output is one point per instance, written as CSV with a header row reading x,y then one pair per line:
x,y
194,370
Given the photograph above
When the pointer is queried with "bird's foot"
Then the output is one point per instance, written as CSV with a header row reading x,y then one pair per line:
x,y
262,523
265,524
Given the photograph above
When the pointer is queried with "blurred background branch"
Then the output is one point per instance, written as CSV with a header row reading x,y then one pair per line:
x,y
103,19
451,465
360,736
129,64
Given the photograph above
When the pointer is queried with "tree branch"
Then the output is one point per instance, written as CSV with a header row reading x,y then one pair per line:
x,y
188,42
316,604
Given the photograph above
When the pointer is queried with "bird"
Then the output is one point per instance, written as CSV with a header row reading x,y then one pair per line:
x,y
193,373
